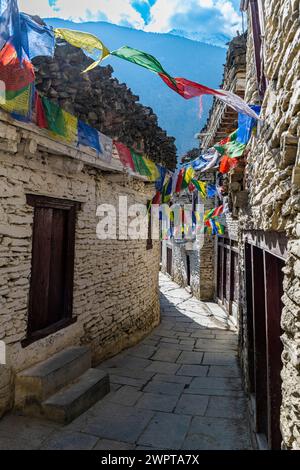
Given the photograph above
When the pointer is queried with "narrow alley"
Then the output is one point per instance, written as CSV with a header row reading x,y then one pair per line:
x,y
180,388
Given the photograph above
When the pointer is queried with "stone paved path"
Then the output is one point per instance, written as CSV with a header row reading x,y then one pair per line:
x,y
178,389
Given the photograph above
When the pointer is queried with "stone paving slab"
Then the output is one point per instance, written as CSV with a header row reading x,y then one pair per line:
x,y
157,402
180,388
217,434
118,423
166,431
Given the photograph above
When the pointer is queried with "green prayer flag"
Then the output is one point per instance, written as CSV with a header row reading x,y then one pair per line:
x,y
55,117
230,146
140,165
143,59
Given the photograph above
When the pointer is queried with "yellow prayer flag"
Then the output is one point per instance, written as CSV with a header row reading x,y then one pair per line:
x,y
189,175
155,174
86,41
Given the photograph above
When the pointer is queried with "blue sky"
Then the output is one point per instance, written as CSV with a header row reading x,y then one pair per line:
x,y
204,16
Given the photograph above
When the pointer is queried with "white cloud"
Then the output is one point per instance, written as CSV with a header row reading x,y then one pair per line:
x,y
190,15
193,15
116,11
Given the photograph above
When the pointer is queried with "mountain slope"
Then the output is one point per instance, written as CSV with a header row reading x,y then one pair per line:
x,y
180,57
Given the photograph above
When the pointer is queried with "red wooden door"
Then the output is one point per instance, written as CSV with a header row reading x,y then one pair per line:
x,y
51,290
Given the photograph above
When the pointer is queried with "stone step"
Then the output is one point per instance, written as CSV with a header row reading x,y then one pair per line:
x,y
41,381
77,398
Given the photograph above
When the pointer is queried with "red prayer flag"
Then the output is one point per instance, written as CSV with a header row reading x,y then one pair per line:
x,y
188,89
218,211
124,155
15,75
227,163
179,181
41,119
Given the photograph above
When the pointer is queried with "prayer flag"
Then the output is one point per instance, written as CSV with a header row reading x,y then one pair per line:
x,y
10,25
188,89
55,117
227,164
124,155
167,191
140,165
201,187
160,182
180,181
37,40
246,125
230,146
143,59
40,115
88,136
86,41
211,190
153,169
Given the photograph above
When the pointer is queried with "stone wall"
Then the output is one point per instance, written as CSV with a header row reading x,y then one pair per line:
x,y
116,298
273,192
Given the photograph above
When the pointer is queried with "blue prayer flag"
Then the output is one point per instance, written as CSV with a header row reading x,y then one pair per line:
x,y
246,125
211,190
88,136
10,25
37,40
160,182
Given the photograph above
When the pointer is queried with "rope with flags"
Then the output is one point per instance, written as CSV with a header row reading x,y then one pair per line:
x,y
22,39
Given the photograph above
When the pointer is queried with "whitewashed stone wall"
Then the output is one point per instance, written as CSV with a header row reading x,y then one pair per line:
x,y
274,197
116,298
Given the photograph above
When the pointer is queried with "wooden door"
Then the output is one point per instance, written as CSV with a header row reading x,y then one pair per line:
x,y
169,261
260,345
52,272
274,293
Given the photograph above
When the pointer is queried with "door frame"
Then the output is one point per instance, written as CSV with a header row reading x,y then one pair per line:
x,y
48,202
272,246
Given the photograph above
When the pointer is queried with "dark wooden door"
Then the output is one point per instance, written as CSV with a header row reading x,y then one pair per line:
x,y
250,324
51,290
188,270
169,261
260,346
274,293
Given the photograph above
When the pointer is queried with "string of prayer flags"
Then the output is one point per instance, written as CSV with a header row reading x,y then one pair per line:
x,y
86,41
88,136
124,155
37,40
